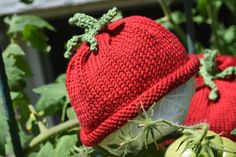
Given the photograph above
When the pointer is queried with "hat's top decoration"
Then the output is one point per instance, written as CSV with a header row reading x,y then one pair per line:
x,y
92,27
209,72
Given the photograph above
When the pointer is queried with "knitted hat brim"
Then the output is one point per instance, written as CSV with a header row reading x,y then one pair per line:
x,y
130,111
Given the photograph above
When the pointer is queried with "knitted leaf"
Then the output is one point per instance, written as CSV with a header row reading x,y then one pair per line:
x,y
92,27
209,72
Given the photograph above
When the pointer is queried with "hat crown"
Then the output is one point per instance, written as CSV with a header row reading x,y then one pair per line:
x,y
133,55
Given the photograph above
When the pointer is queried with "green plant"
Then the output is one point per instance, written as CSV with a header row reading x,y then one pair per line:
x,y
31,119
40,140
209,145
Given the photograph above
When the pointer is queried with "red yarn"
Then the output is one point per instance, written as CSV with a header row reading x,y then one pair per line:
x,y
137,60
220,114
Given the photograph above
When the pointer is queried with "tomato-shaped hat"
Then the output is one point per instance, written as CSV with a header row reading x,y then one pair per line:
x,y
214,101
117,65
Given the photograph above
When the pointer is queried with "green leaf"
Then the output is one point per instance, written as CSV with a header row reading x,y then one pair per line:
x,y
30,29
36,38
202,7
231,5
34,154
9,146
64,145
3,129
177,16
5,141
52,97
16,66
16,51
21,102
217,5
229,34
70,113
61,78
83,151
198,19
15,75
24,138
46,151
17,23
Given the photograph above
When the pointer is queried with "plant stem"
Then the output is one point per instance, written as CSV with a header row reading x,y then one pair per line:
x,y
64,110
167,13
205,130
43,136
189,26
198,126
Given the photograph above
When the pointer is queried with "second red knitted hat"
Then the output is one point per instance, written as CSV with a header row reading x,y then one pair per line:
x,y
220,113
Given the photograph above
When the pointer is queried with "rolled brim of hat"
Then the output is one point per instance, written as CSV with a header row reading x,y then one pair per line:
x,y
130,111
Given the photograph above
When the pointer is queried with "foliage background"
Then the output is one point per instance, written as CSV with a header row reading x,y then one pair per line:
x,y
214,23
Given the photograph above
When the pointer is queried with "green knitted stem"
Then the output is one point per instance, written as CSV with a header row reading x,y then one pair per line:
x,y
92,27
208,71
228,71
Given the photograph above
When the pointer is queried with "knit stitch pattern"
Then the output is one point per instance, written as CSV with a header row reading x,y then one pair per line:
x,y
137,60
221,113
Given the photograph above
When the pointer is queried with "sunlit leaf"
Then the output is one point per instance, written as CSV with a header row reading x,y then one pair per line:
x,y
46,151
36,37
65,144
16,66
3,129
177,16
229,34
70,113
201,7
30,29
17,23
52,96
83,151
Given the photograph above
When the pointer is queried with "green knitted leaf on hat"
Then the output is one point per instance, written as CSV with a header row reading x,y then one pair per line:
x,y
92,27
208,71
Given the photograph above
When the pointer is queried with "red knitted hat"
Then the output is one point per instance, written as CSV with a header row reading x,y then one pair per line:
x,y
221,113
136,60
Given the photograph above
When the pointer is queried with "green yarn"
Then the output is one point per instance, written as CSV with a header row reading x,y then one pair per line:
x,y
92,27
228,71
209,72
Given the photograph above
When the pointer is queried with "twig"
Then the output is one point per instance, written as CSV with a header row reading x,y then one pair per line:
x,y
64,110
167,13
48,133
189,25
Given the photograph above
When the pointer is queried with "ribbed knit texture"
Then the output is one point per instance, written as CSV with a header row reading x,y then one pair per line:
x,y
137,60
219,114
